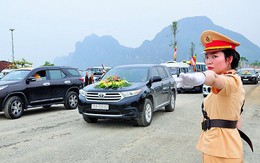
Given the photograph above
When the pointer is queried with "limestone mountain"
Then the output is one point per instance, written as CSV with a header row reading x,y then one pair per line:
x,y
95,50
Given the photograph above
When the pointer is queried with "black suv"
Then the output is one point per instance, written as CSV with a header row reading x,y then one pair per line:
x,y
248,75
43,86
146,88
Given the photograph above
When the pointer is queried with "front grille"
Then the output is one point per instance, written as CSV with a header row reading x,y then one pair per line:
x,y
247,77
104,96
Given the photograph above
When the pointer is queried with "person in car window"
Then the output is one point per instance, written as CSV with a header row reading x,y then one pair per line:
x,y
220,139
37,76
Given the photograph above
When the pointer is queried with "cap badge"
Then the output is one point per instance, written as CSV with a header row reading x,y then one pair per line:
x,y
208,39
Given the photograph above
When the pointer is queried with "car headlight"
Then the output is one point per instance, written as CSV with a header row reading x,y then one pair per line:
x,y
3,87
82,92
131,93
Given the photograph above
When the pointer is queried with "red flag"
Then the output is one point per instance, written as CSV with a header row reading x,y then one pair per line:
x,y
193,60
175,53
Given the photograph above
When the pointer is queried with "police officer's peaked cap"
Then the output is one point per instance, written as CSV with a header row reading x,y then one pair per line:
x,y
214,41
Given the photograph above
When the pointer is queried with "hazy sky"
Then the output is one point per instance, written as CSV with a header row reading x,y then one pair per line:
x,y
45,29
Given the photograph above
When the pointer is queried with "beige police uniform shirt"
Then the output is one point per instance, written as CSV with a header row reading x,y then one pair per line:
x,y
224,104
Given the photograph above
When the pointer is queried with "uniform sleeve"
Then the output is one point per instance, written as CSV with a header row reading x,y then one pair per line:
x,y
232,83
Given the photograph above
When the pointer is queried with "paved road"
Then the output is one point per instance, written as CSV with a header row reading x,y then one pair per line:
x,y
59,135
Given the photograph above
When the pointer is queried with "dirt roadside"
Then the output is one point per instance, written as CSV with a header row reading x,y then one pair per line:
x,y
251,123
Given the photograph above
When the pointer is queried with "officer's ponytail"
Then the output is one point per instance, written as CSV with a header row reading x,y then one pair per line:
x,y
236,57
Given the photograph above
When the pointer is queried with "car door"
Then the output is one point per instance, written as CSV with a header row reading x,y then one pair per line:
x,y
157,87
38,91
59,84
165,85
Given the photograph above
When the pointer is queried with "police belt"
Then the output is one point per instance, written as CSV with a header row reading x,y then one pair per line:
x,y
208,123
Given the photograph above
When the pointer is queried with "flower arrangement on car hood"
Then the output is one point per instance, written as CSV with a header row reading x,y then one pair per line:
x,y
113,82
246,73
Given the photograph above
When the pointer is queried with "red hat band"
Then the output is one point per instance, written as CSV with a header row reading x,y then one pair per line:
x,y
217,44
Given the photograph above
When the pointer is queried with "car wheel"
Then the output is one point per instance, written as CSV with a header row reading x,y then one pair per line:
x,y
71,100
146,116
89,119
171,106
201,89
13,108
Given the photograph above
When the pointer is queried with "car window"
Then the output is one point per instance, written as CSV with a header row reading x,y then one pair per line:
x,y
82,73
184,69
201,67
56,74
74,72
16,75
167,72
162,72
154,72
40,75
173,70
131,74
246,72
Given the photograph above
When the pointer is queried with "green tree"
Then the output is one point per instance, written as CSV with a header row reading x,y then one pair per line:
x,y
174,32
243,61
47,63
23,63
20,64
255,64
192,50
13,65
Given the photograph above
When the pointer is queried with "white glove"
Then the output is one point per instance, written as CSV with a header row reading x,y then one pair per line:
x,y
190,79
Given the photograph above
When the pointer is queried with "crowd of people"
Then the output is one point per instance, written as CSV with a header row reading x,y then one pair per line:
x,y
90,79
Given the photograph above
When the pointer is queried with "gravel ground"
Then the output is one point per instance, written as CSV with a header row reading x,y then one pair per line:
x,y
59,135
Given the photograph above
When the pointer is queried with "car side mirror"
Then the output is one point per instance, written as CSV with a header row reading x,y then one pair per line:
x,y
156,78
30,79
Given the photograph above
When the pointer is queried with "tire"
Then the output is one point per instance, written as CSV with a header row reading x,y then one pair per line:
x,y
171,106
89,119
201,89
14,107
146,115
71,100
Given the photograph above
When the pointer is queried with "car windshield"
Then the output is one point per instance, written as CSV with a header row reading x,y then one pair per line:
x,y
1,75
82,73
131,74
246,72
16,75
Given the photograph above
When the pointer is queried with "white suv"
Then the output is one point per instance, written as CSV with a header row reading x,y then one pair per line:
x,y
206,90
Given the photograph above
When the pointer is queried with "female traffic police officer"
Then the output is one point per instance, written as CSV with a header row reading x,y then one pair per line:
x,y
220,140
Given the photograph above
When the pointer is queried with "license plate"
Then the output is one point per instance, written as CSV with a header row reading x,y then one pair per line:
x,y
245,79
100,106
